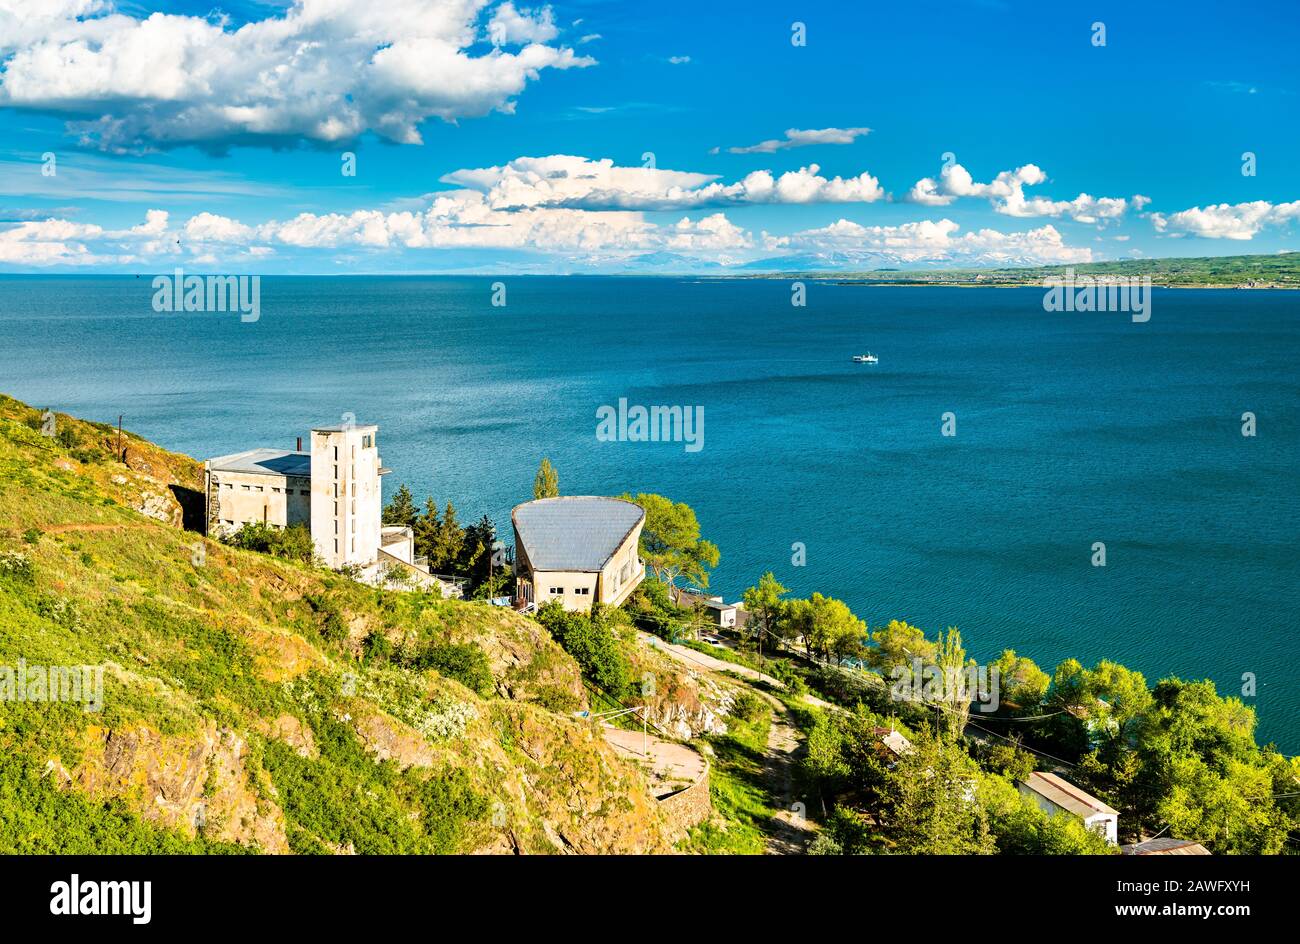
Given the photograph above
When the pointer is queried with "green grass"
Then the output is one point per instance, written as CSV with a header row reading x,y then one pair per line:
x,y
741,804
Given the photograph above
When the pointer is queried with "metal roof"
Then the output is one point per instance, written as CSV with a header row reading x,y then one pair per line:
x,y
265,462
1066,795
577,533
1165,846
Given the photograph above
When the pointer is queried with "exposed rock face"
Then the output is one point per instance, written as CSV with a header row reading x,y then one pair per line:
x,y
682,703
183,783
293,732
577,796
160,507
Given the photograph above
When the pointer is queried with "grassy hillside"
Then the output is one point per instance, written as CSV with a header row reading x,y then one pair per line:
x,y
254,704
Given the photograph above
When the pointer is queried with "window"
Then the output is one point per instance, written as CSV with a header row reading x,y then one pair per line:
x,y
275,490
354,506
257,488
336,458
557,591
583,591
336,528
245,487
304,492
336,545
336,471
368,441
354,452
228,485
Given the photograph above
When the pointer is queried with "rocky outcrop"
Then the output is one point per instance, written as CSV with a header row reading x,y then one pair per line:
x,y
200,782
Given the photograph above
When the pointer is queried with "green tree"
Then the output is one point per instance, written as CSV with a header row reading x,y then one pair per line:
x,y
671,543
547,482
427,527
897,645
954,702
763,607
1022,684
926,801
401,510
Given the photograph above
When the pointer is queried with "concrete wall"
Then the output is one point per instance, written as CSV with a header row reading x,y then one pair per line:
x,y
568,581
244,497
346,495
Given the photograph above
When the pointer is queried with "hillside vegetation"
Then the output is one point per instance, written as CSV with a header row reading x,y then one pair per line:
x,y
1257,271
257,704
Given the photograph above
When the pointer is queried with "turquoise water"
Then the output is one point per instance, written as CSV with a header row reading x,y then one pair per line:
x,y
1071,428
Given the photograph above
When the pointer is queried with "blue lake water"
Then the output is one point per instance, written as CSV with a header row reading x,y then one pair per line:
x,y
1071,428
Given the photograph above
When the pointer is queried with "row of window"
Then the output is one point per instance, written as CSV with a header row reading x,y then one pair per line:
x,y
580,591
274,489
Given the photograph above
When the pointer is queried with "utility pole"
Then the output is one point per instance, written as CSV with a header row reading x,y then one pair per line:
x,y
119,438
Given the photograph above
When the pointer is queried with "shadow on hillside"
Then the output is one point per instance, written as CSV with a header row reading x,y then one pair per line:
x,y
191,502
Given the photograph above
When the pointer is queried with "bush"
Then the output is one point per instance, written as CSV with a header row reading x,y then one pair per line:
x,y
593,645
467,663
748,707
291,543
17,565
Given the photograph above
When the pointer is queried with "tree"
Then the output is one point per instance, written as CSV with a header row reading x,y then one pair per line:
x,y
828,627
427,527
1023,685
897,645
401,510
671,543
926,801
547,482
763,606
954,702
448,541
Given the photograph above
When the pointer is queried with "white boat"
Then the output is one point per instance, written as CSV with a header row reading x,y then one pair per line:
x,y
867,358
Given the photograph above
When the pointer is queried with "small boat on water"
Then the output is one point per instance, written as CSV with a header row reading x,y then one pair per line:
x,y
867,358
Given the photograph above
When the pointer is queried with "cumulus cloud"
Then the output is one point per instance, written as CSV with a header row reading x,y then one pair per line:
x,y
796,138
567,181
1226,221
1006,194
325,71
932,241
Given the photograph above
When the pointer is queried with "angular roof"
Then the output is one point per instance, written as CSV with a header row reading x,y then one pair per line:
x,y
265,462
577,533
1165,846
1066,795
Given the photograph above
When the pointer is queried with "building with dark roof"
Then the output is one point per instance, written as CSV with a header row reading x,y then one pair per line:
x,y
578,550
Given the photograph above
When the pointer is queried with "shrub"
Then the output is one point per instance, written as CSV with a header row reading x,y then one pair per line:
x,y
376,647
17,565
291,543
591,642
748,707
467,663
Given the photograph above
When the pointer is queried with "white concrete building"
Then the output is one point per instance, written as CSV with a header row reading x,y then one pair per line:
x,y
335,490
1055,795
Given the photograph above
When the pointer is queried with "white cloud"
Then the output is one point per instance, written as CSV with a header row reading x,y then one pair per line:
x,y
679,60
324,71
509,25
562,180
1007,196
1226,221
796,138
931,241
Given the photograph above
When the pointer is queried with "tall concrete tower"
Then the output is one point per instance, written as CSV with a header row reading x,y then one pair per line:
x,y
346,494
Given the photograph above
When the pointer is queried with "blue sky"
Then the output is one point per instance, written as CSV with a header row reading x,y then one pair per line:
x,y
602,136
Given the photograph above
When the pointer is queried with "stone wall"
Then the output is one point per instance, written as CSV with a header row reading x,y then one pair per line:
x,y
691,806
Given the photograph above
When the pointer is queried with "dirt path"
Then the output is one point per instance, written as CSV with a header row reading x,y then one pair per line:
x,y
64,528
791,831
